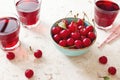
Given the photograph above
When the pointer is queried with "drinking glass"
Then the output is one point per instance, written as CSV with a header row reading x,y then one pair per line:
x,y
9,31
105,12
29,12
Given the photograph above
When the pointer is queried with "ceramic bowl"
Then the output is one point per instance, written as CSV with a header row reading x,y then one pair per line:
x,y
71,51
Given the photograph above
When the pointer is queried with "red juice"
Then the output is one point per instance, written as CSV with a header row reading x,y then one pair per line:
x,y
9,32
28,11
105,13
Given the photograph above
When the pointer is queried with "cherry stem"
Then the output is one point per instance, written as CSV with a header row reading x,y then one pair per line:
x,y
31,49
70,12
85,15
76,17
93,21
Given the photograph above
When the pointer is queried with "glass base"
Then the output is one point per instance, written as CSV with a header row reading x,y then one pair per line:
x,y
31,26
102,27
12,48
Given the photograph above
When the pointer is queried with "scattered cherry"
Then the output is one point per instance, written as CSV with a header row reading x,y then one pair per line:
x,y
103,59
29,73
112,70
38,54
10,55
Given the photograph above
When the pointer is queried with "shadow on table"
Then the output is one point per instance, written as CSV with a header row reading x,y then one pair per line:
x,y
88,65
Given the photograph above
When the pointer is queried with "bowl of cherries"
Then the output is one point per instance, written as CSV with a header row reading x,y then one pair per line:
x,y
73,36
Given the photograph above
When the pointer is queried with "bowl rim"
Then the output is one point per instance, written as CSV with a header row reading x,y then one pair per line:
x,y
72,49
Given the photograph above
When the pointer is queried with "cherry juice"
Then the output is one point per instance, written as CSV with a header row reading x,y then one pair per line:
x,y
28,11
9,32
105,12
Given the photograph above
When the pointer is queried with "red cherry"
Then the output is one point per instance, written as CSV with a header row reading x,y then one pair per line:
x,y
86,42
91,35
70,41
78,44
103,59
82,37
56,30
57,38
83,32
80,27
75,35
38,54
80,22
10,55
112,70
64,34
63,43
29,73
90,28
72,26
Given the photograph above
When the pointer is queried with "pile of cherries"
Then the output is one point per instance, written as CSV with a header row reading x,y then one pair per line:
x,y
73,34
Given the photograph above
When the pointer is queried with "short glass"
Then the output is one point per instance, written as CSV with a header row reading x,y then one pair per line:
x,y
105,12
29,12
9,31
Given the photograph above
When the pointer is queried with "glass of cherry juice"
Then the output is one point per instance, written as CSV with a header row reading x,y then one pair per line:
x,y
9,31
105,12
28,11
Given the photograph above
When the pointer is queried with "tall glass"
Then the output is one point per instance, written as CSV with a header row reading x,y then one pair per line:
x,y
105,12
9,31
29,12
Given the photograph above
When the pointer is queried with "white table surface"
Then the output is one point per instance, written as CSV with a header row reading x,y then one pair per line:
x,y
54,65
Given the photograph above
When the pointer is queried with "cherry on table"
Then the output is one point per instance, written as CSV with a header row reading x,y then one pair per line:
x,y
38,54
103,59
10,55
112,70
29,73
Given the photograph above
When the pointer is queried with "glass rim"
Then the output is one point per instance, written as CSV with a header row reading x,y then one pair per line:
x,y
18,25
106,10
21,1
16,1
